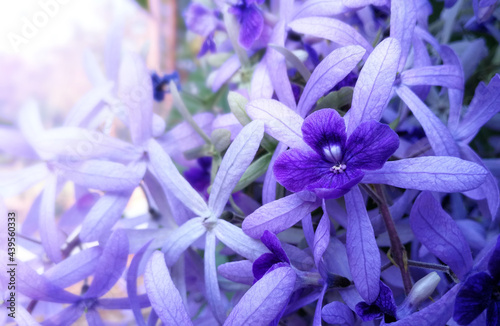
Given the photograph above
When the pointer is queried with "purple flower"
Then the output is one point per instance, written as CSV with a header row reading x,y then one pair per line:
x,y
383,307
268,261
479,292
160,84
250,19
199,176
336,162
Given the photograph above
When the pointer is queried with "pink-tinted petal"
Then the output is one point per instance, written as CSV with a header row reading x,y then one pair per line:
x,y
279,215
323,130
168,175
233,237
403,21
112,263
362,249
135,91
370,146
103,215
440,138
236,160
445,174
164,296
330,29
281,122
265,300
334,68
374,85
182,238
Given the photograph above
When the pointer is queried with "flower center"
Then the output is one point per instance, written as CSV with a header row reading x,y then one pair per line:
x,y
338,168
333,153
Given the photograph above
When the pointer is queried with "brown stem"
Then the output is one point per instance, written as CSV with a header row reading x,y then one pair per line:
x,y
397,250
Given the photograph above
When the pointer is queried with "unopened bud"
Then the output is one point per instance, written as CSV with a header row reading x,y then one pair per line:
x,y
423,288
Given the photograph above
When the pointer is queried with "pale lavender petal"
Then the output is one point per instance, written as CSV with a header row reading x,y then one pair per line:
x,y
363,3
439,233
403,21
233,237
164,296
225,72
50,234
123,303
104,175
236,160
265,300
182,238
330,29
238,271
229,122
337,313
279,215
24,318
281,122
261,85
12,142
440,138
132,275
455,95
298,257
171,179
93,318
276,63
37,287
103,215
30,124
374,85
484,105
113,49
214,298
75,215
135,91
331,70
445,174
74,144
321,237
489,189
84,107
437,313
111,265
445,75
317,8
362,249
74,268
67,316
270,183
15,182
93,69
421,58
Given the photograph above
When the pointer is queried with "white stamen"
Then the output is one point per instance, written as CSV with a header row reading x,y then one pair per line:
x,y
338,168
333,153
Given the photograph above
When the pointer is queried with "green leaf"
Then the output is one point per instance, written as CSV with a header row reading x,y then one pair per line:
x,y
237,103
255,170
143,3
337,99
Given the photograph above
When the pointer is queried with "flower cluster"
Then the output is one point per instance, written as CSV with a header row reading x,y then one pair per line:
x,y
326,164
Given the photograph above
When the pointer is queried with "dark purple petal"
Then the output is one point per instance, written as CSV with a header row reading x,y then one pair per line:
x,y
324,131
493,314
368,312
370,145
252,24
494,263
296,169
271,241
474,296
343,183
262,264
385,300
